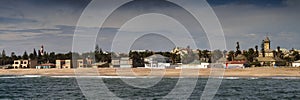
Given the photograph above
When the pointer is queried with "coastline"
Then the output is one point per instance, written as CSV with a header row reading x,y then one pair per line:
x,y
261,72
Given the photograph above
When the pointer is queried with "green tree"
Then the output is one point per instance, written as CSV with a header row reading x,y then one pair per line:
x,y
34,53
256,51
216,55
230,55
31,56
263,49
199,54
25,55
250,54
4,58
52,57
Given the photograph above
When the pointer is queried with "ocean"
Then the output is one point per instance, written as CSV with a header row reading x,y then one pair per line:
x,y
41,88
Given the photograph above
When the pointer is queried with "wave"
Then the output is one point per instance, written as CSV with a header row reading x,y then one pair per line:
x,y
21,76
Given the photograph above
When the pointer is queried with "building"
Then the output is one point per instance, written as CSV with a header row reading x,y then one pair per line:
x,y
24,64
156,61
296,63
266,44
45,66
83,63
194,66
63,64
266,61
121,62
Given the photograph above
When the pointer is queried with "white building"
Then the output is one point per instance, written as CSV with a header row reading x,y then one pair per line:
x,y
24,64
156,61
296,63
121,62
193,66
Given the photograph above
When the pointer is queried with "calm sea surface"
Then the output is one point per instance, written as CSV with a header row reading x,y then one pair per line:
x,y
15,87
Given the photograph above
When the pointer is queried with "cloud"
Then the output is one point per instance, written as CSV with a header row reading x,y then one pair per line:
x,y
5,20
249,24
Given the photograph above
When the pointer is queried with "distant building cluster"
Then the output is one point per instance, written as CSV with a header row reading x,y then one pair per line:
x,y
177,58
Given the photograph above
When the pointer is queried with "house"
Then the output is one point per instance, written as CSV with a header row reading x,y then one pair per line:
x,y
24,64
45,66
156,61
121,62
238,62
234,64
296,63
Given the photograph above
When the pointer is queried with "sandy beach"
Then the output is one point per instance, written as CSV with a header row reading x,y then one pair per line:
x,y
247,72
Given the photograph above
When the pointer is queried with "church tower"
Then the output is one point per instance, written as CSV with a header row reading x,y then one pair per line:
x,y
267,44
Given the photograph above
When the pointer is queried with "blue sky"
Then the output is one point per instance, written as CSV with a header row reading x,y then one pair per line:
x,y
27,24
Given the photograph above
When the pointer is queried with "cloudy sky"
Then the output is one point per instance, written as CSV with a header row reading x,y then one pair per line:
x,y
27,24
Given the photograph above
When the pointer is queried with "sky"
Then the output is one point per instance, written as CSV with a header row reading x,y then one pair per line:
x,y
28,24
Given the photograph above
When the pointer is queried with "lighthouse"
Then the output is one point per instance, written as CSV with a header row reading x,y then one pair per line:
x,y
42,50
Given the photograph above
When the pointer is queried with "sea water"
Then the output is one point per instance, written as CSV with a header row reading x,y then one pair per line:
x,y
38,87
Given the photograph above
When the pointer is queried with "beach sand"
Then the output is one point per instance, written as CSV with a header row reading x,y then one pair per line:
x,y
247,72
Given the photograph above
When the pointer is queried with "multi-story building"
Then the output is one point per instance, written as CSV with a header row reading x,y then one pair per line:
x,y
24,64
82,63
63,64
122,62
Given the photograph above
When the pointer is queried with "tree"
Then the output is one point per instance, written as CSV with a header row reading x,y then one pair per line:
x,y
263,49
13,56
230,55
237,46
3,62
97,49
216,55
3,54
256,51
34,53
136,59
250,54
237,49
279,52
52,57
199,54
25,55
31,56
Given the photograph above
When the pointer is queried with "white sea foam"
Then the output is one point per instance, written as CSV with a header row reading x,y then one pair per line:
x,y
21,76
101,77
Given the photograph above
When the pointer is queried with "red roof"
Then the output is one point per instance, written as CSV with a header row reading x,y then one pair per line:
x,y
236,62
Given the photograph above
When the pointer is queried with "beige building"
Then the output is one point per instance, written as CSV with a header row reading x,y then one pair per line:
x,y
83,63
80,63
267,48
24,64
63,64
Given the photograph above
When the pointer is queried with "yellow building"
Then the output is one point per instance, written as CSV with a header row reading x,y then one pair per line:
x,y
267,48
266,59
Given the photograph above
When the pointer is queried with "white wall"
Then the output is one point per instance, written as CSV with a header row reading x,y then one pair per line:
x,y
296,64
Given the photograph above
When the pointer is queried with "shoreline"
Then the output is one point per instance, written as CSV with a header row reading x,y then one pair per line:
x,y
258,72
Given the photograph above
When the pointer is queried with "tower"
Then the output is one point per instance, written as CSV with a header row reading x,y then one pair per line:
x,y
267,44
41,51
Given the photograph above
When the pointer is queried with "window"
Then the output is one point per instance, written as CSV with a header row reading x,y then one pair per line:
x,y
16,62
